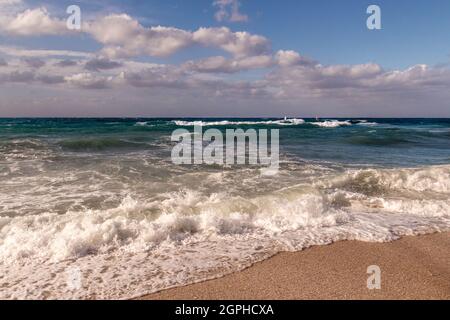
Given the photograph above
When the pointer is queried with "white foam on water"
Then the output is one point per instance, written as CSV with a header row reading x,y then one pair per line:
x,y
433,179
366,123
332,123
285,122
143,246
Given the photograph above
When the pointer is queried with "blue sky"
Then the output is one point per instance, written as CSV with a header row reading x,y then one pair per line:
x,y
331,31
322,46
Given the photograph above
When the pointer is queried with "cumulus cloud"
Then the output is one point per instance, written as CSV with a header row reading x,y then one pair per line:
x,y
228,10
354,81
125,37
417,77
289,58
288,74
220,64
239,44
34,22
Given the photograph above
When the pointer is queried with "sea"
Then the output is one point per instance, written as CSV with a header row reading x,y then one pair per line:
x,y
96,209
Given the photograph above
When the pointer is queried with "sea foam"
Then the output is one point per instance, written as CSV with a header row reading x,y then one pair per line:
x,y
285,122
180,237
332,123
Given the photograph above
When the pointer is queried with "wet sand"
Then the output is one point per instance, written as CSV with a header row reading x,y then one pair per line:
x,y
411,268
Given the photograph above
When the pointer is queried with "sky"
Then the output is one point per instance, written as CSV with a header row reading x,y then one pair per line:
x,y
224,58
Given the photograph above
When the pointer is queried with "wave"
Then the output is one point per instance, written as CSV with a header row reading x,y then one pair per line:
x,y
366,123
22,149
428,179
197,235
180,215
285,122
21,144
332,123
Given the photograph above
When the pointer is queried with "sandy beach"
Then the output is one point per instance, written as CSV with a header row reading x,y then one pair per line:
x,y
412,268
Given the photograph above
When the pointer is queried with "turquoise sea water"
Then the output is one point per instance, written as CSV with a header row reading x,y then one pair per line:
x,y
386,142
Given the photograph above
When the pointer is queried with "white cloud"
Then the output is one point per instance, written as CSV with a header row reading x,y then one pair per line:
x,y
350,71
288,58
291,76
254,62
239,44
228,10
221,64
125,37
88,81
33,22
355,81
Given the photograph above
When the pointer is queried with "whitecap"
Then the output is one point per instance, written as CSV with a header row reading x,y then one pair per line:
x,y
284,122
332,123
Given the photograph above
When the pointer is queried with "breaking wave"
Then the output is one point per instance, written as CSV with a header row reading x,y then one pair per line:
x,y
332,123
181,237
285,122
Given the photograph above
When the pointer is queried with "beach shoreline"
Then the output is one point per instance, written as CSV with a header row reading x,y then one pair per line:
x,y
414,267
